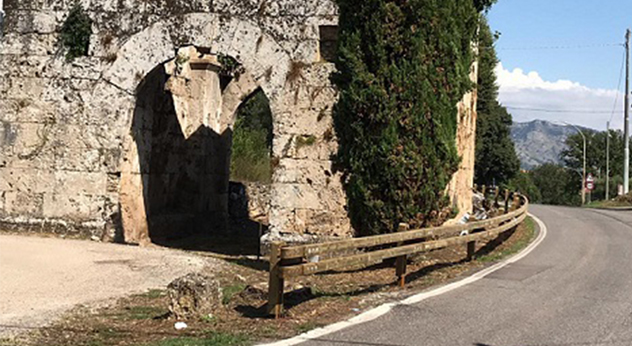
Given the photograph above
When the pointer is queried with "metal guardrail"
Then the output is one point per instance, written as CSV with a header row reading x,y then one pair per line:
x,y
292,261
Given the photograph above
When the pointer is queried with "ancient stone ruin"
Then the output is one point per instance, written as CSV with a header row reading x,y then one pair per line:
x,y
133,141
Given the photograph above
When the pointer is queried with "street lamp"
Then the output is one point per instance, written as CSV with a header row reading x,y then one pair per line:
x,y
584,170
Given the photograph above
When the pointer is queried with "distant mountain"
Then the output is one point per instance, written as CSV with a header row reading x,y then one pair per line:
x,y
540,141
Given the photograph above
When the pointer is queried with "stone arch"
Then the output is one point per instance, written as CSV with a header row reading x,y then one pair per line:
x,y
266,65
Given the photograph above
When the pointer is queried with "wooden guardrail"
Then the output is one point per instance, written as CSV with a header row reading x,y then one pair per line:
x,y
292,261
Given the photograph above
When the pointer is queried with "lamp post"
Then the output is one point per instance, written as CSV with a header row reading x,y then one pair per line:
x,y
584,170
607,161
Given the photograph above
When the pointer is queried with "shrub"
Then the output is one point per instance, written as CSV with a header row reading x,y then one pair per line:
x,y
403,67
75,32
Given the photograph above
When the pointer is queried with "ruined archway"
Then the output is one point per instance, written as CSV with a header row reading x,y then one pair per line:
x,y
90,153
182,133
306,201
182,149
151,183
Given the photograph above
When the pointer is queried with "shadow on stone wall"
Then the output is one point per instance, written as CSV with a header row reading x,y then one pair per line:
x,y
186,180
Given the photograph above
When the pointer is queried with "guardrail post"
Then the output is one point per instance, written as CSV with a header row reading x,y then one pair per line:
x,y
275,285
516,202
400,263
506,201
471,249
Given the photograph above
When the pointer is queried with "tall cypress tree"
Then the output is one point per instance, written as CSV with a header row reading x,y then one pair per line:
x,y
496,159
403,67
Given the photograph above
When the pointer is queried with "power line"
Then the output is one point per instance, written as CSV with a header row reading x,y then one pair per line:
x,y
578,46
616,99
582,111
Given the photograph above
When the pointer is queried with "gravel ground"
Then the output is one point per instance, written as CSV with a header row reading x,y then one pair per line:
x,y
40,278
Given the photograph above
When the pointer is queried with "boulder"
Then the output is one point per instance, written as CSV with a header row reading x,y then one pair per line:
x,y
194,295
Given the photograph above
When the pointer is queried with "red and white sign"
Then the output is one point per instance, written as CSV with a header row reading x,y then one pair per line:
x,y
590,182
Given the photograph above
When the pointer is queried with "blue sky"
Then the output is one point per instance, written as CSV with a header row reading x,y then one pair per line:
x,y
567,79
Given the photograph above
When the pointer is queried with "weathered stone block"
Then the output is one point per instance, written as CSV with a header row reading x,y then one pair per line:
x,y
79,183
315,173
74,207
22,203
303,196
77,159
25,180
31,22
25,88
157,47
193,296
32,44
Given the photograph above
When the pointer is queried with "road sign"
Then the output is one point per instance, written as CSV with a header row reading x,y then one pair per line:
x,y
590,182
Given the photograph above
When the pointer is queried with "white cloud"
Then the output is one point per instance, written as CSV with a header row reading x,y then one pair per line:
x,y
529,90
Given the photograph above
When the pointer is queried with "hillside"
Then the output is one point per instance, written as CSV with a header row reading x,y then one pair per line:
x,y
540,141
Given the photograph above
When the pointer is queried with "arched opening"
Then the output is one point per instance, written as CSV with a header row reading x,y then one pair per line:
x,y
183,165
185,114
251,167
251,152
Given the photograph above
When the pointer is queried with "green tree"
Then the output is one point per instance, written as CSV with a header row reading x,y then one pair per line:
x,y
403,67
596,163
557,184
496,159
523,182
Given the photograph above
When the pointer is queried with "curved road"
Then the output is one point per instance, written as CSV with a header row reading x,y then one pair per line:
x,y
574,289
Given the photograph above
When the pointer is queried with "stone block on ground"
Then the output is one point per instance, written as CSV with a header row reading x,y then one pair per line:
x,y
194,295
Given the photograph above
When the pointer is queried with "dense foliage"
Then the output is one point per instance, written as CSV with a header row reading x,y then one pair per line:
x,y
523,182
496,158
75,32
403,67
596,143
252,141
557,184
596,163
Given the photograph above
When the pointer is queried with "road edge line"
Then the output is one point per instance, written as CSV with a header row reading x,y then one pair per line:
x,y
385,308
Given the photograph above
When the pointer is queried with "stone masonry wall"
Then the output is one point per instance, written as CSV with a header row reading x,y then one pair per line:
x,y
71,159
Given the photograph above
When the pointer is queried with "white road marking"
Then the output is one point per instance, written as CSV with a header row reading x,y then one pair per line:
x,y
385,308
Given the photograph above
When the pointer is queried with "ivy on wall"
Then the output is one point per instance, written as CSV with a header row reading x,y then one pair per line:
x,y
403,67
75,32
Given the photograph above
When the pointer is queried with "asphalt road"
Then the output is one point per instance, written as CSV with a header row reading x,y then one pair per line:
x,y
575,288
40,278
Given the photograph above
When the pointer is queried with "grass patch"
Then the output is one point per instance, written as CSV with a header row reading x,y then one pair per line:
x,y
213,339
229,292
305,141
307,326
153,294
515,247
144,312
617,202
608,204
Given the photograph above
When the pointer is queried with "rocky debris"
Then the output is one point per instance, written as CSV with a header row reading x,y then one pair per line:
x,y
194,295
256,291
478,204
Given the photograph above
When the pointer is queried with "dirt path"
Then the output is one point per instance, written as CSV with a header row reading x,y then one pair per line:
x,y
42,277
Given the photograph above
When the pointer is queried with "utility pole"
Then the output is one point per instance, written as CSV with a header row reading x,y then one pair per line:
x,y
626,135
607,161
584,169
